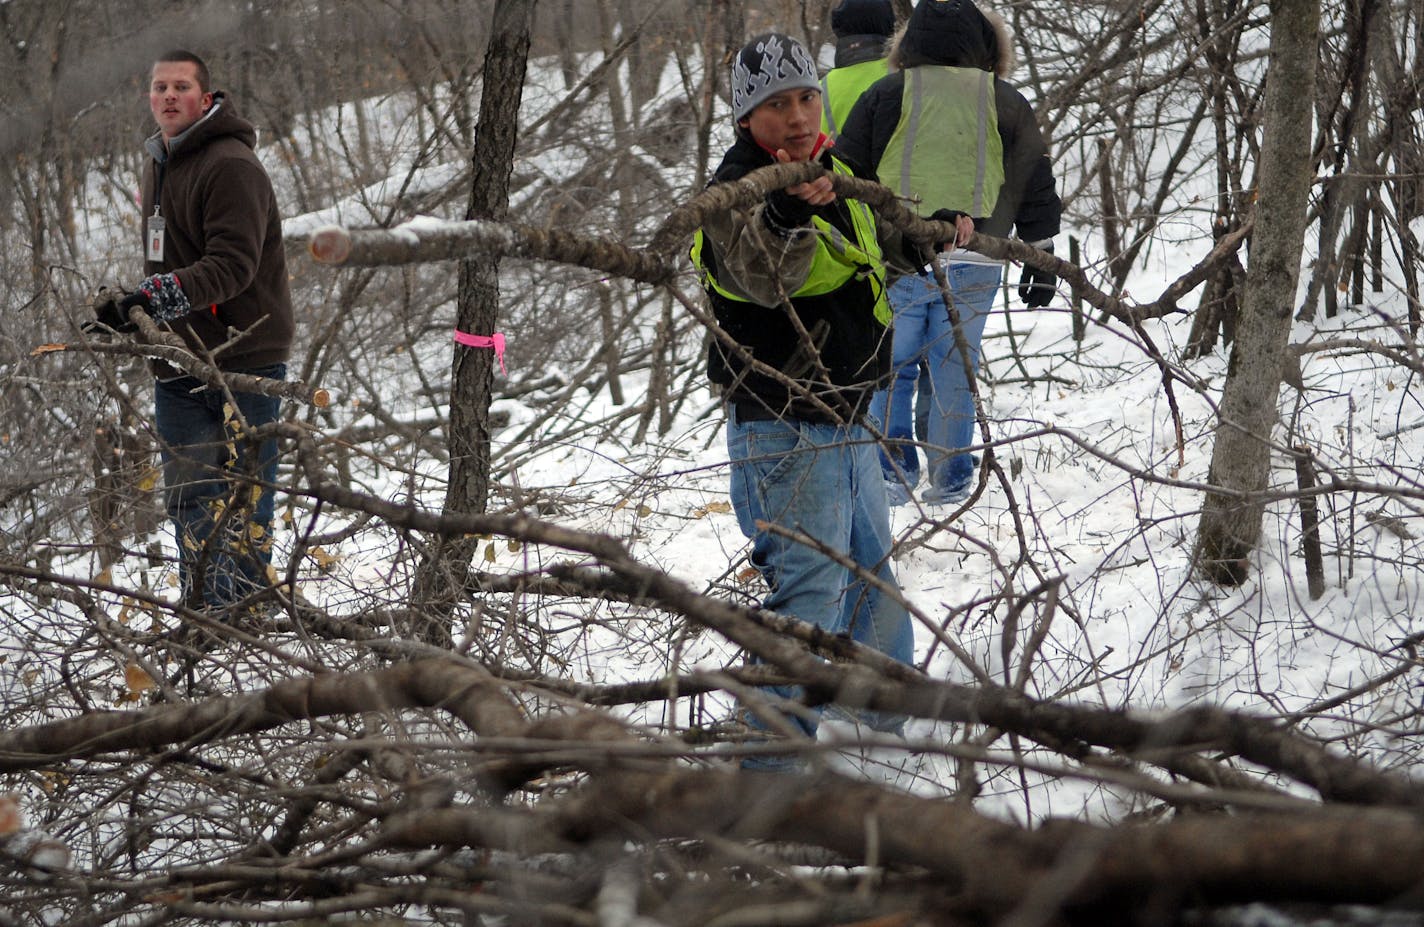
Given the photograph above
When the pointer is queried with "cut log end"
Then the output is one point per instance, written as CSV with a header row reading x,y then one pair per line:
x,y
321,398
330,244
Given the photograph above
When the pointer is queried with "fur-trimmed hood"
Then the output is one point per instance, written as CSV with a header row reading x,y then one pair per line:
x,y
954,33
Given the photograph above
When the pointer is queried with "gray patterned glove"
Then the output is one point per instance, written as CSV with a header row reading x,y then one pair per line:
x,y
162,296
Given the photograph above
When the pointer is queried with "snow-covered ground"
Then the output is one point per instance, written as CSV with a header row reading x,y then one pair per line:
x,y
1100,499
1100,496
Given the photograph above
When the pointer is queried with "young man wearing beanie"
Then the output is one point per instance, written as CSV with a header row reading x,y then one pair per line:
x,y
946,129
797,285
863,29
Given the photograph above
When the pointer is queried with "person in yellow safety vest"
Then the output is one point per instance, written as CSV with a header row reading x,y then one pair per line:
x,y
945,128
797,285
863,29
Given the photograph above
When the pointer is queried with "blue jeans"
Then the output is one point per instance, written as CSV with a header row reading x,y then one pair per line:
x,y
922,331
823,481
201,451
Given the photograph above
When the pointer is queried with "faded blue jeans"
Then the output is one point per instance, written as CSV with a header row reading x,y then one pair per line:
x,y
922,330
201,453
823,481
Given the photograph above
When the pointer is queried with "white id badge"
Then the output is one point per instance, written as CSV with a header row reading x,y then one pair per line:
x,y
155,238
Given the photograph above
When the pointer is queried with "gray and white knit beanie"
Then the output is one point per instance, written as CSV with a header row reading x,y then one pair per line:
x,y
768,64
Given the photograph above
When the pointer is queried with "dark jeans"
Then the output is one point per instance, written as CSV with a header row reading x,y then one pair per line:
x,y
222,524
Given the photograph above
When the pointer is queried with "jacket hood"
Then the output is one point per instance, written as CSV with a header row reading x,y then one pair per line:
x,y
863,17
221,120
859,48
742,158
954,33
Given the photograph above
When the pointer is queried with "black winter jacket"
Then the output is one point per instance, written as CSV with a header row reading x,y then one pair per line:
x,y
1028,201
751,254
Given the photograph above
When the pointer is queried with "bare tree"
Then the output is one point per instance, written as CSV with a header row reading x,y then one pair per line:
x,y
478,305
1241,454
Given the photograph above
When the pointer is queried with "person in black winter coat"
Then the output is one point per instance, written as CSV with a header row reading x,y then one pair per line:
x,y
863,29
946,129
797,285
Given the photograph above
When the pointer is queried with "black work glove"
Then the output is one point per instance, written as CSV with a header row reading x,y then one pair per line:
x,y
1036,287
111,312
786,214
137,298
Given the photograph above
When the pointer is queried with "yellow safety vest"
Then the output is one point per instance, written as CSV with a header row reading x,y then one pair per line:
x,y
946,151
841,87
837,261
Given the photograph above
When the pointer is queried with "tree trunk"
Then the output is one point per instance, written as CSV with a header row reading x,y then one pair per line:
x,y
1241,457
442,574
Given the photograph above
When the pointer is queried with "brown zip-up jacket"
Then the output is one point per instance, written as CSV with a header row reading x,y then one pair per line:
x,y
223,241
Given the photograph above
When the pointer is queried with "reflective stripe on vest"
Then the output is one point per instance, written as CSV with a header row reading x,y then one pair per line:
x,y
841,87
946,151
837,260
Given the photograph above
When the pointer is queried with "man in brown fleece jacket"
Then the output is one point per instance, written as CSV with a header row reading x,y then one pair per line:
x,y
217,276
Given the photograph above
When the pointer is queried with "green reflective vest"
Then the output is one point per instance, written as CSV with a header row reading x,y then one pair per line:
x,y
841,87
837,260
946,151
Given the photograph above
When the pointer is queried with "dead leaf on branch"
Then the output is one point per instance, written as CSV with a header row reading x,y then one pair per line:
x,y
324,560
137,679
10,818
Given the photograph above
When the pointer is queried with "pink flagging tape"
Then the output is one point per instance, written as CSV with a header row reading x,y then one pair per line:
x,y
495,341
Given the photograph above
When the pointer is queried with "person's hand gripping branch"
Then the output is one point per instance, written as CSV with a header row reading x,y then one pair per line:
x,y
110,315
791,207
160,295
818,192
963,228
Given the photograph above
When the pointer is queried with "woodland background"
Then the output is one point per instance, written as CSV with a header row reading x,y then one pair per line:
x,y
513,610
